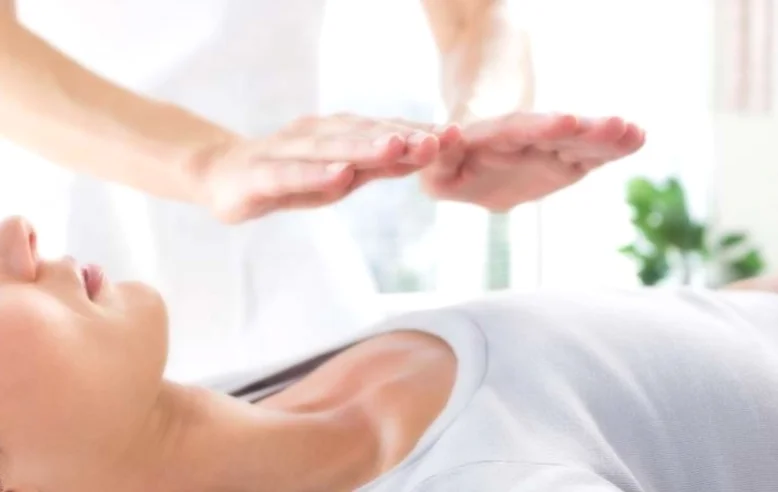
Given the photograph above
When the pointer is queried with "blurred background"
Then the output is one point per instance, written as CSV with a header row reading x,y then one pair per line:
x,y
694,206
699,75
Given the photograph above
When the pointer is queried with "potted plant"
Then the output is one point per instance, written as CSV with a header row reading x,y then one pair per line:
x,y
670,243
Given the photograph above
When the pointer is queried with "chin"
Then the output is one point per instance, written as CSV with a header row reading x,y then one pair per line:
x,y
148,318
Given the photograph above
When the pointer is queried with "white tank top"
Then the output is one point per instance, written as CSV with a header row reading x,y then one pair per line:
x,y
273,288
595,391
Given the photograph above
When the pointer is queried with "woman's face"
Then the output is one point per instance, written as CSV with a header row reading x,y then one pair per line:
x,y
81,364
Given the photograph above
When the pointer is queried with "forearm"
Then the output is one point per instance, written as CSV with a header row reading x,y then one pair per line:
x,y
487,70
56,108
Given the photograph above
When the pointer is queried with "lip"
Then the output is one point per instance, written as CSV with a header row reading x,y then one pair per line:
x,y
94,278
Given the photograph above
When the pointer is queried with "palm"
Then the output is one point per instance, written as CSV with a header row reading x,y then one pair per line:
x,y
502,180
526,157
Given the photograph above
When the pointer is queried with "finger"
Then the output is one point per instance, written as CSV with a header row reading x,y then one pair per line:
x,y
521,129
421,149
604,140
590,165
386,146
446,163
449,136
397,171
592,134
313,199
447,167
632,140
422,142
603,130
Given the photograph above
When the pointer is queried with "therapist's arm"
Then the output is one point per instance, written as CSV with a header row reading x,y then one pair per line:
x,y
58,109
486,58
55,107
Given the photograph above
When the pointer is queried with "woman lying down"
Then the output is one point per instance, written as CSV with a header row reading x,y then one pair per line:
x,y
661,391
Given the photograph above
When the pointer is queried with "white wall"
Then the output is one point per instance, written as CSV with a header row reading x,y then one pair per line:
x,y
747,178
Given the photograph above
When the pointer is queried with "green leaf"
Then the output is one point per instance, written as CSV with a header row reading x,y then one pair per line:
x,y
676,226
695,240
731,240
641,191
641,194
630,250
749,265
653,269
665,230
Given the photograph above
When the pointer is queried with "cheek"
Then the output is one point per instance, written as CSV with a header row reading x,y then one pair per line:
x,y
142,318
66,405
128,351
69,382
43,391
35,356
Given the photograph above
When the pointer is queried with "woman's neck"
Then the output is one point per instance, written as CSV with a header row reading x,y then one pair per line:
x,y
355,417
202,441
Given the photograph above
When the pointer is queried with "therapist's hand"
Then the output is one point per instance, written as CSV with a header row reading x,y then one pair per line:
x,y
315,161
521,157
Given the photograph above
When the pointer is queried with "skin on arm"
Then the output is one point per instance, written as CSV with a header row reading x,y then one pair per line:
x,y
486,60
58,109
767,283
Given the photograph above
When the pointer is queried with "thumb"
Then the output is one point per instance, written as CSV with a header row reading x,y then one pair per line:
x,y
266,187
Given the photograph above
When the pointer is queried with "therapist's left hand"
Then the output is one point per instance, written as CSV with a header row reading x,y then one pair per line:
x,y
312,162
521,157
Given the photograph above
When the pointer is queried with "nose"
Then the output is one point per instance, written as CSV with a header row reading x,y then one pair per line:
x,y
18,248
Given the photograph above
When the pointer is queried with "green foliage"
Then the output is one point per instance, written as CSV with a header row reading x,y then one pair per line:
x,y
669,240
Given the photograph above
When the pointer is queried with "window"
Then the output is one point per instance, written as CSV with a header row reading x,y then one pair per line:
x,y
650,62
647,61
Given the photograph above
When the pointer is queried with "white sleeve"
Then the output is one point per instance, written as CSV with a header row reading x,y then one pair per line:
x,y
498,476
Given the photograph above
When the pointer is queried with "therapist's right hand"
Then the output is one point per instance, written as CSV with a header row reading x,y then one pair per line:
x,y
314,161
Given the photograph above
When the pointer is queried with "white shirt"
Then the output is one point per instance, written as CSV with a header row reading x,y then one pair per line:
x,y
275,287
648,391
644,391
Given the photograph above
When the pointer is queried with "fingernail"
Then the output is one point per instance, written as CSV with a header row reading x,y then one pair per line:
x,y
335,168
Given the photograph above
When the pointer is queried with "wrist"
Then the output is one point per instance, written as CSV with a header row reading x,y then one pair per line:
x,y
188,148
199,166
